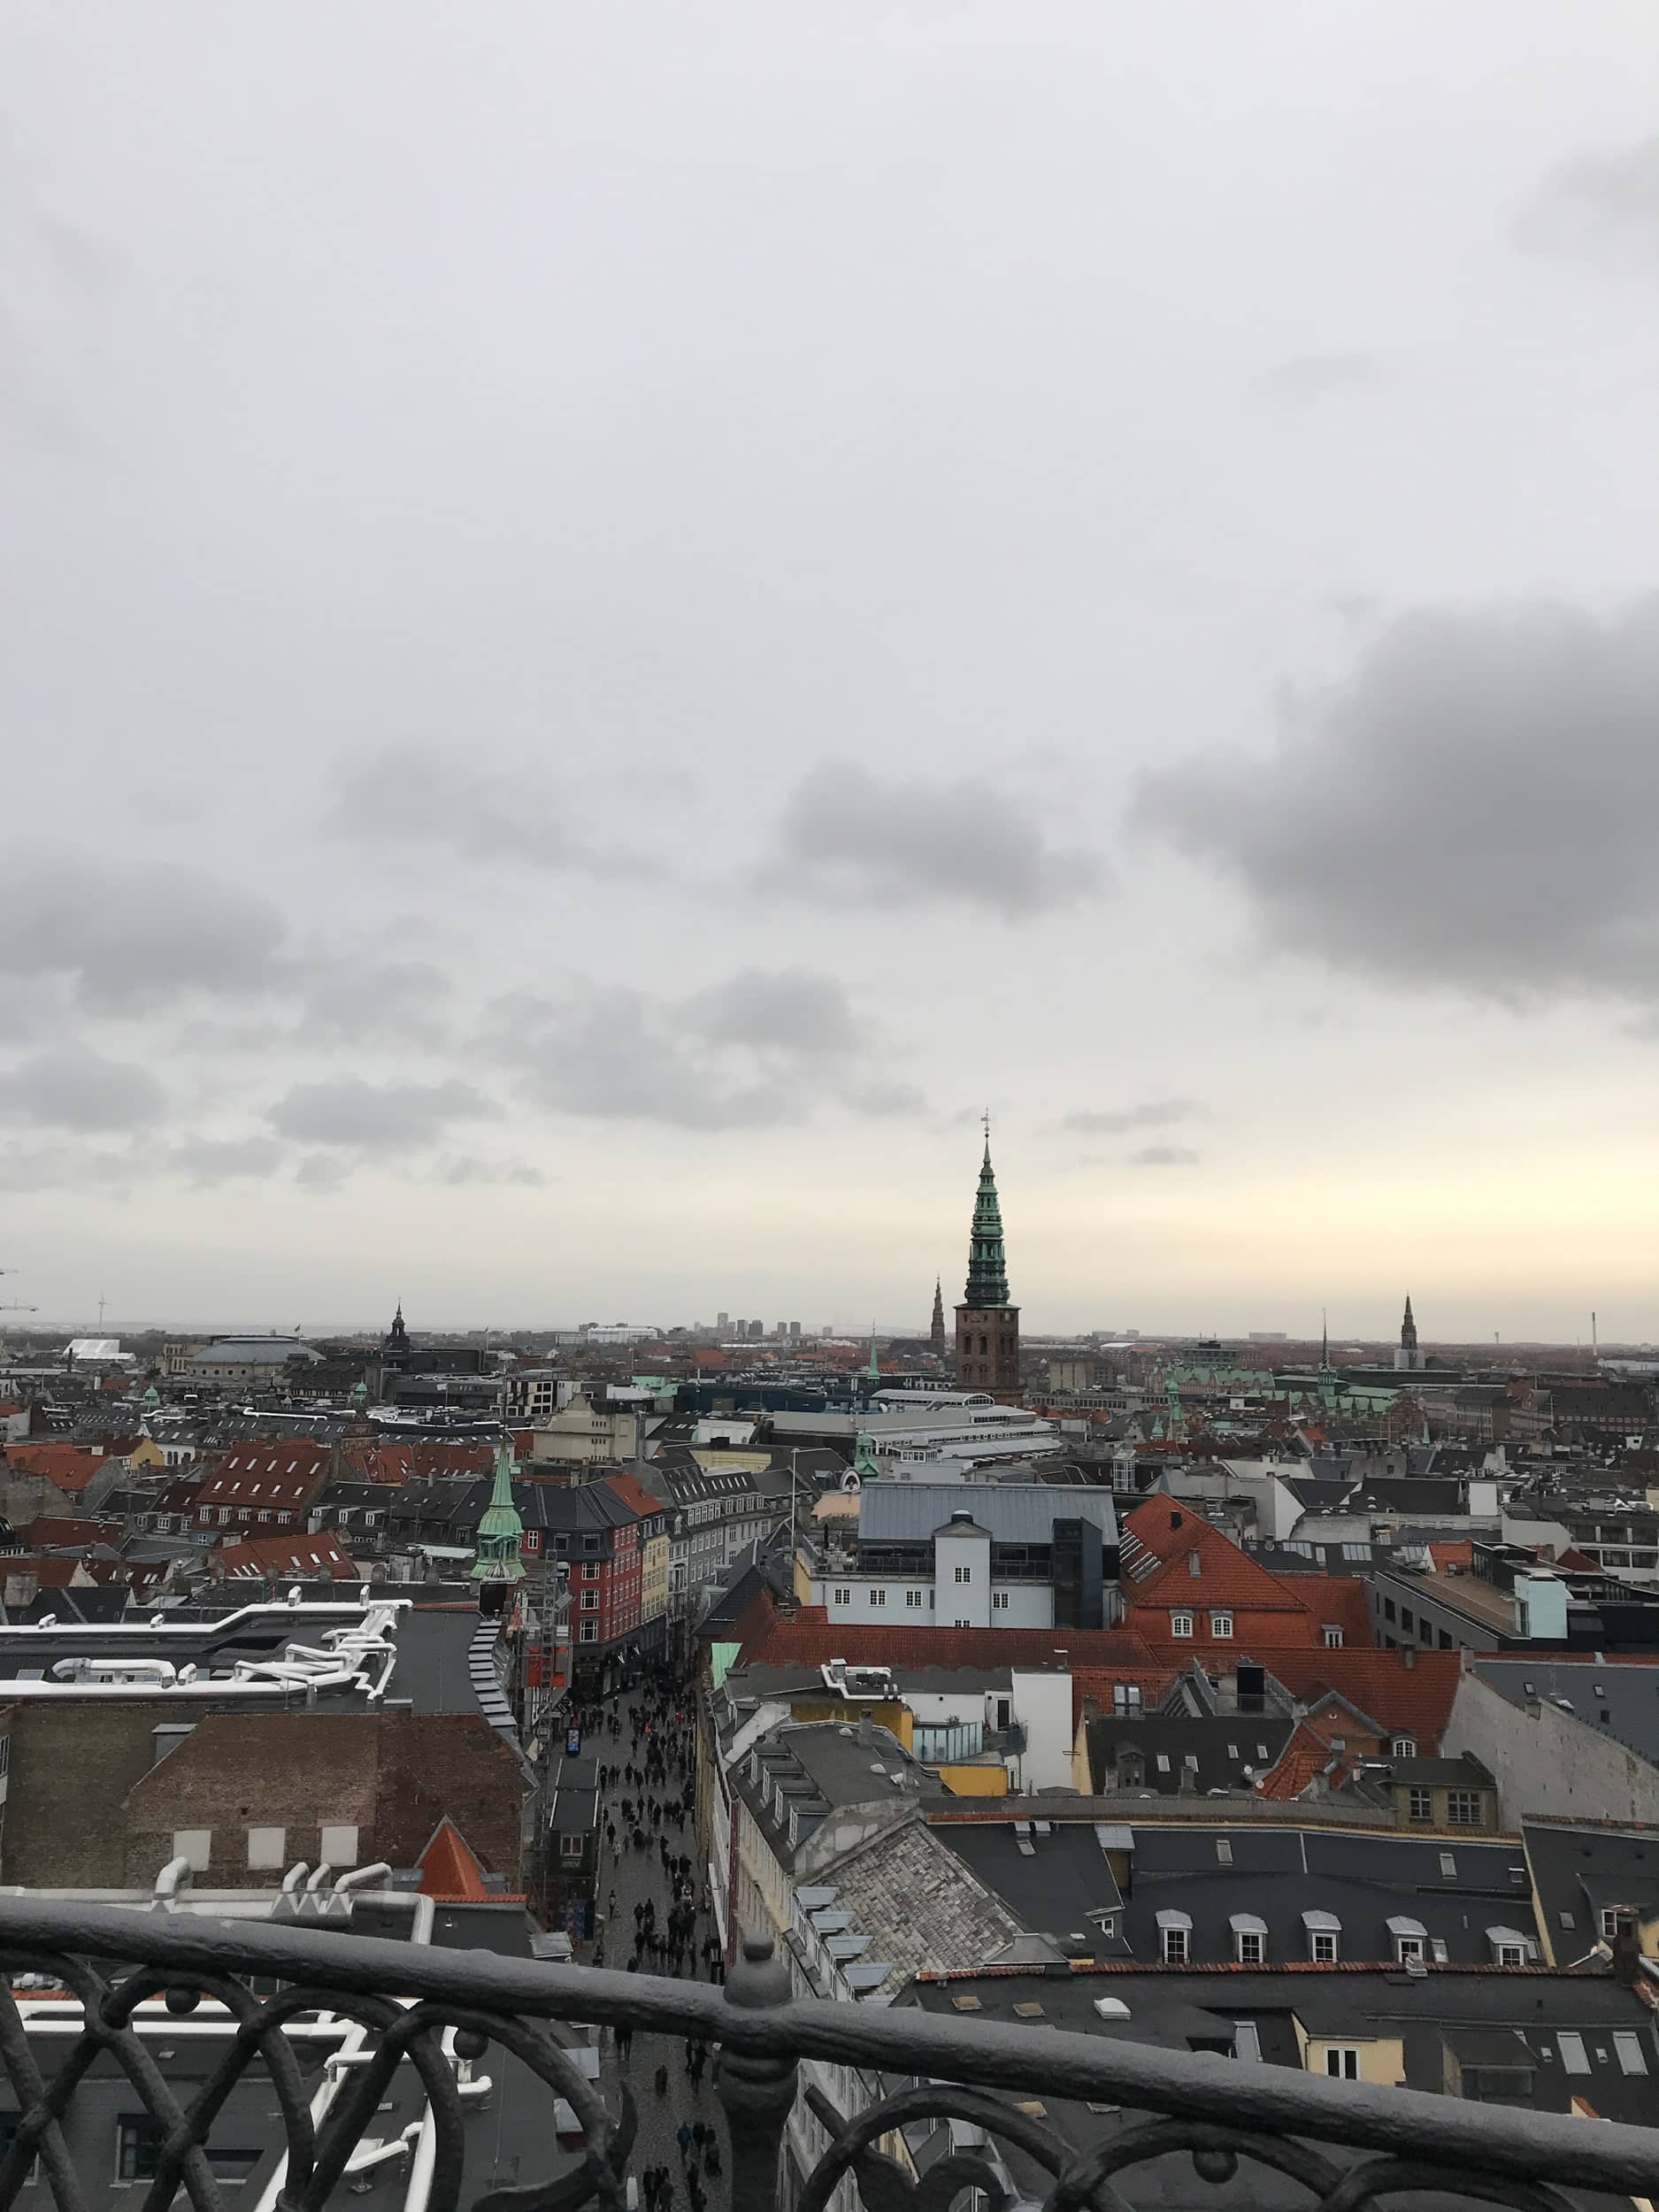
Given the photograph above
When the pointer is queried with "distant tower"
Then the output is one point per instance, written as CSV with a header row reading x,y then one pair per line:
x,y
937,1334
987,1326
395,1343
500,1528
1408,1358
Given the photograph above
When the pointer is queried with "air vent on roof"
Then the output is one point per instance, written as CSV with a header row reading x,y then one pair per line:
x,y
1030,2011
965,2001
1111,2009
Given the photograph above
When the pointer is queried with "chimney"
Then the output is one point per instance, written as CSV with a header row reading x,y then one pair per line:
x,y
1408,1656
865,1736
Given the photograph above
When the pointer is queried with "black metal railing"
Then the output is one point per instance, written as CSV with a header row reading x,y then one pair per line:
x,y
428,2020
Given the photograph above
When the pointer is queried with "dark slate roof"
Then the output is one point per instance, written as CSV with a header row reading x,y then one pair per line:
x,y
1196,1752
1363,1878
1579,1870
1623,1693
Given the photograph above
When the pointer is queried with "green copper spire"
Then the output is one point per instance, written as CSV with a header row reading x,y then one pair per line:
x,y
987,1267
499,1527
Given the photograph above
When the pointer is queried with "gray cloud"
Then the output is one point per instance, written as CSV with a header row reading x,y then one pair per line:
x,y
914,843
1152,1113
403,998
461,1172
1472,809
376,1116
410,794
761,1050
1307,378
1597,201
1163,1155
133,938
209,1160
615,1056
75,1088
887,1102
786,1010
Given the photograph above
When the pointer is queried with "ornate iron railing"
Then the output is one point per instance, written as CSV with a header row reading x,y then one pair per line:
x,y
432,2017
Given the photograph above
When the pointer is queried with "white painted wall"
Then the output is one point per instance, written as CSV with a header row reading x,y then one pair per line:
x,y
959,1603
1042,1705
1545,1761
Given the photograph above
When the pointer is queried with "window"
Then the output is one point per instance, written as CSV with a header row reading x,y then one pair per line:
x,y
571,1849
1321,1948
1404,1749
841,1597
1125,1697
1511,1955
1175,1947
1463,1808
195,1845
964,1574
1574,2058
1341,2062
1421,1804
1247,2042
913,1599
265,1848
878,1597
1163,1762
1221,1624
1628,2045
338,1843
1611,1916
1224,1852
1449,1867
1407,1621
1332,1637
1180,1623
1408,1947
999,1601
588,1633
1252,1948
137,2147
590,1601
1388,1609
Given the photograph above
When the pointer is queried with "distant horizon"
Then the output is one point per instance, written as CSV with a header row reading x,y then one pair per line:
x,y
1240,1339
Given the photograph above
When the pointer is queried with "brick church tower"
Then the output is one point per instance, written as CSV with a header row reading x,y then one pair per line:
x,y
987,1327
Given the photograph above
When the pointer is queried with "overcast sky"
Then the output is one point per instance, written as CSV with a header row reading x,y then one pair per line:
x,y
615,618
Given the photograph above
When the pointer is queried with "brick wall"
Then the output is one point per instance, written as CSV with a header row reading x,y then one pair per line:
x,y
71,1769
89,1807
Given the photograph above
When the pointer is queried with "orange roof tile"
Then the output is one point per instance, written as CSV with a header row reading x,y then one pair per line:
x,y
863,1644
449,1868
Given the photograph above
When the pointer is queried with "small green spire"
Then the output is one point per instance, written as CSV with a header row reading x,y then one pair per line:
x,y
874,1368
500,1528
988,1264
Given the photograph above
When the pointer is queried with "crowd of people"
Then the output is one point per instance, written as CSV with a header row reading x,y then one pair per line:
x,y
656,1917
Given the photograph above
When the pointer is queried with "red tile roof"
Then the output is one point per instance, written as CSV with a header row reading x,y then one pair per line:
x,y
55,1533
70,1466
1412,1700
306,1556
1176,1561
863,1644
449,1868
634,1493
1305,1755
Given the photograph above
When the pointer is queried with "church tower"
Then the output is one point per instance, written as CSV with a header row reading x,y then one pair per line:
x,y
500,1528
936,1334
987,1326
1408,1358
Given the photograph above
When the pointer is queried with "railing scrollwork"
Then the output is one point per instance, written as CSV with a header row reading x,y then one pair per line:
x,y
414,2042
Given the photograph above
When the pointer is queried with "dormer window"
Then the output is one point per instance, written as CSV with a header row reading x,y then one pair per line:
x,y
1325,1937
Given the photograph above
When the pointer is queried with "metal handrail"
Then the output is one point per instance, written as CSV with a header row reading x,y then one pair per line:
x,y
763,2030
